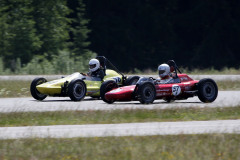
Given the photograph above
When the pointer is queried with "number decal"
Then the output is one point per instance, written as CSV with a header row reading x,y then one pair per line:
x,y
176,90
117,79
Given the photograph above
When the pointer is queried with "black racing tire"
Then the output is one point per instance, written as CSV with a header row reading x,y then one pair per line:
x,y
207,90
105,87
146,92
131,80
34,92
77,90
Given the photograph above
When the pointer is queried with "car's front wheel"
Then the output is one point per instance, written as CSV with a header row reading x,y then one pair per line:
x,y
105,87
77,89
131,80
33,88
146,92
207,90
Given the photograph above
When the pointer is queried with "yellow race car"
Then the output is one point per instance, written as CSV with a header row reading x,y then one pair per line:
x,y
78,85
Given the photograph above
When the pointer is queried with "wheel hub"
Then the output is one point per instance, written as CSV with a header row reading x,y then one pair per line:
x,y
78,90
209,90
148,92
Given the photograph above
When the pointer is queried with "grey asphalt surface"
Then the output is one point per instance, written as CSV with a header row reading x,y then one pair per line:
x,y
124,129
224,99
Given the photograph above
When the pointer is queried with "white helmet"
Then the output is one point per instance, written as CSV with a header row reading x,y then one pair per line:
x,y
163,70
94,65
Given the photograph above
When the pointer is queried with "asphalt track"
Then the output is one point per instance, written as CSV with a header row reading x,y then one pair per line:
x,y
124,129
224,99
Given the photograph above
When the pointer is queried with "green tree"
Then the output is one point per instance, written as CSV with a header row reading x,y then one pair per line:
x,y
80,30
4,34
32,27
51,24
18,32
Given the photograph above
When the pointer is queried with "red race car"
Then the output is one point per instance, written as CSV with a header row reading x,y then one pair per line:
x,y
147,89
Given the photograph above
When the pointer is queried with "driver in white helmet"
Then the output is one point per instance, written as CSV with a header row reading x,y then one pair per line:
x,y
164,74
95,69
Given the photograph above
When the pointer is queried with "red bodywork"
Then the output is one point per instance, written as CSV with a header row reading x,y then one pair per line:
x,y
182,90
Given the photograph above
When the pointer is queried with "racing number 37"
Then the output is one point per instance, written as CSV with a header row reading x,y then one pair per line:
x,y
176,90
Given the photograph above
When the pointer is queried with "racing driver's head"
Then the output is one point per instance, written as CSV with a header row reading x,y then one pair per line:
x,y
163,70
94,65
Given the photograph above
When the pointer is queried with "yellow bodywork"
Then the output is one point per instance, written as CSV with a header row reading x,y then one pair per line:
x,y
93,86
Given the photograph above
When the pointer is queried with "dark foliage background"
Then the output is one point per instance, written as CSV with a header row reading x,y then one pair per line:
x,y
131,33
145,33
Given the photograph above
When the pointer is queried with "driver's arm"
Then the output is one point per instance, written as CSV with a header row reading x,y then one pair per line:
x,y
100,74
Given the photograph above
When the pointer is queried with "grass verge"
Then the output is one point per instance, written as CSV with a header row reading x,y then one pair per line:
x,y
177,147
116,116
14,88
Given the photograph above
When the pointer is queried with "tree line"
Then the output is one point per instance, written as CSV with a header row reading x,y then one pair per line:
x,y
132,34
34,34
145,33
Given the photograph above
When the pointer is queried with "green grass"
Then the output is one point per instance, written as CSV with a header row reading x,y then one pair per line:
x,y
22,88
116,116
14,88
228,85
175,147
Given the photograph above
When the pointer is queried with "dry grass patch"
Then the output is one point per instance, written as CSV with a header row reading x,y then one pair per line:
x,y
116,116
178,147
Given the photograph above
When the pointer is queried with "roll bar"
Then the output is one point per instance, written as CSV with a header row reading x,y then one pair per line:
x,y
172,63
103,62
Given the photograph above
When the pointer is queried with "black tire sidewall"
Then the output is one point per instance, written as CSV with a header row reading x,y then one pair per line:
x,y
34,92
201,94
131,79
71,90
105,87
140,92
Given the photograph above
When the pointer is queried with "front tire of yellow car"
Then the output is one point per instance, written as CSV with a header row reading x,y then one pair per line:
x,y
77,90
33,88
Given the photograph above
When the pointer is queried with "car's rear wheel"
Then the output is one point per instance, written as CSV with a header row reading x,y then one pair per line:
x,y
146,92
131,80
207,90
106,87
77,90
33,88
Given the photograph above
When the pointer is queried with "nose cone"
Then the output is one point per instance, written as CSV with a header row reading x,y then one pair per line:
x,y
120,94
50,88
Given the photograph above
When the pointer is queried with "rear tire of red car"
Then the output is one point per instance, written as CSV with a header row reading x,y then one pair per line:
x,y
146,92
207,90
131,80
77,90
34,92
105,87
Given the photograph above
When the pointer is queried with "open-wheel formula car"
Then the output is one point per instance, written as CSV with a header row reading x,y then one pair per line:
x,y
78,85
147,90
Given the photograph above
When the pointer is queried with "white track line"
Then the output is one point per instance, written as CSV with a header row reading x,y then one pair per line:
x,y
124,129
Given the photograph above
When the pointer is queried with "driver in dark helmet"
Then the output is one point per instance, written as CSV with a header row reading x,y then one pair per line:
x,y
95,69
